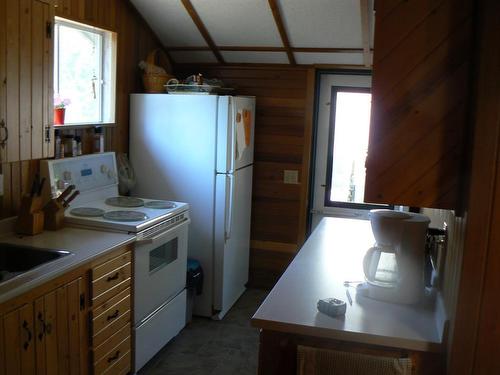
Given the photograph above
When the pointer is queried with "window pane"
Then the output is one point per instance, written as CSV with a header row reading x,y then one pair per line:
x,y
79,73
350,146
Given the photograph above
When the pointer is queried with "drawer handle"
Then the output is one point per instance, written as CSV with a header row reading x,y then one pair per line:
x,y
114,315
115,357
114,277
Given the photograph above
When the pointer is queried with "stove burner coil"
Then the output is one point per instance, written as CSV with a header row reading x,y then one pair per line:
x,y
124,202
87,212
160,204
125,216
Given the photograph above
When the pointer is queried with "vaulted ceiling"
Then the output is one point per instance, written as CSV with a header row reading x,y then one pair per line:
x,y
263,31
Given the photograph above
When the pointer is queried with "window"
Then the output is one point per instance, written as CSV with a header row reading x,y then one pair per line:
x,y
347,146
84,72
340,143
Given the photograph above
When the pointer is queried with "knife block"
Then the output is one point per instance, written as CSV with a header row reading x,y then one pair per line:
x,y
54,215
31,217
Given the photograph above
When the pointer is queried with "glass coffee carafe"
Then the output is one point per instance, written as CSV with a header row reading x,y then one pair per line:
x,y
393,267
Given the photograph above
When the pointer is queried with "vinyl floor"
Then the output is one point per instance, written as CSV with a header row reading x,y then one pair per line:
x,y
208,347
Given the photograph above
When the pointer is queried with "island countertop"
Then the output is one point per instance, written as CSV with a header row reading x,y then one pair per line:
x,y
331,255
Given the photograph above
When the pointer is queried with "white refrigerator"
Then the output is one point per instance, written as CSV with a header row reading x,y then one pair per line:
x,y
199,149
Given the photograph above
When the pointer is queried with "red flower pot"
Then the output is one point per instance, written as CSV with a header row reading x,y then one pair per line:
x,y
59,116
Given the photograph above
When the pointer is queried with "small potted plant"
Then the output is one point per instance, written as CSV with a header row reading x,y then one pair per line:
x,y
60,105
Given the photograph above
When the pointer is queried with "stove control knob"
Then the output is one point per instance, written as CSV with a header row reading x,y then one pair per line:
x,y
111,174
104,168
67,175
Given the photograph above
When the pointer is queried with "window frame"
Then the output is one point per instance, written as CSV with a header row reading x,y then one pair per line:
x,y
106,76
331,142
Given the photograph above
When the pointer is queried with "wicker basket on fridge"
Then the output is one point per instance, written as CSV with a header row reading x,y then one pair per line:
x,y
154,77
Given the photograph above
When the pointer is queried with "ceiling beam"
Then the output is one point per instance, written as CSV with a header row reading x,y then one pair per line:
x,y
365,31
202,29
269,49
281,28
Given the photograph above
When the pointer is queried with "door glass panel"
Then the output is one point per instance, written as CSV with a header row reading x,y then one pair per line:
x,y
163,255
350,145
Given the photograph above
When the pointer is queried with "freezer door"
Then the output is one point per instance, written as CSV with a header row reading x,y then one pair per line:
x,y
232,237
235,132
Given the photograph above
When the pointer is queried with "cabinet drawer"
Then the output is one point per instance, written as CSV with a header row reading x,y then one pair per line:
x,y
111,279
110,293
108,345
105,305
114,326
114,357
110,315
111,265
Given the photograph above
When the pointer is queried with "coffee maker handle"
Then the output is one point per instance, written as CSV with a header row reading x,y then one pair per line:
x,y
367,260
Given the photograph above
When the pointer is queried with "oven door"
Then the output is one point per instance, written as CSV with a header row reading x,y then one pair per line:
x,y
160,269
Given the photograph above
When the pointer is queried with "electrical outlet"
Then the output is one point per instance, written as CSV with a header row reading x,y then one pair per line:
x,y
290,176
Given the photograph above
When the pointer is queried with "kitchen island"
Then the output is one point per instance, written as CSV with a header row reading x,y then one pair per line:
x,y
289,317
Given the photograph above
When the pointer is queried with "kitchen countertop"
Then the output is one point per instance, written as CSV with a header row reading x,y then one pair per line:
x,y
333,254
85,245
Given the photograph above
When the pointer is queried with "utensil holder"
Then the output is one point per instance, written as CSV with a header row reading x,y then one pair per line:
x,y
54,215
31,217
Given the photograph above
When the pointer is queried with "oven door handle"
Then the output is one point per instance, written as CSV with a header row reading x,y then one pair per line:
x,y
158,237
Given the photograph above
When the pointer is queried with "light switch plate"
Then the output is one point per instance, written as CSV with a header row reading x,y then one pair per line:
x,y
290,176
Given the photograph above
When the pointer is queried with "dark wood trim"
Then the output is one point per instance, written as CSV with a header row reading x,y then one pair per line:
x,y
306,156
202,29
281,28
365,32
475,342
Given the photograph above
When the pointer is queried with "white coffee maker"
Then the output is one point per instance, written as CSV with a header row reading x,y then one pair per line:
x,y
394,266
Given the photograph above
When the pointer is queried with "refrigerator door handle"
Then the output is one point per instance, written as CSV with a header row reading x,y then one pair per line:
x,y
229,206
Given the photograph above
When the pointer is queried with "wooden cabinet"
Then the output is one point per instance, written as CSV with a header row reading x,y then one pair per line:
x,y
60,323
47,335
26,79
278,354
18,341
421,90
67,326
111,313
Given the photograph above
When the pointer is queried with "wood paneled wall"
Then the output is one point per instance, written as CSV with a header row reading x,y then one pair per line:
x,y
135,41
282,142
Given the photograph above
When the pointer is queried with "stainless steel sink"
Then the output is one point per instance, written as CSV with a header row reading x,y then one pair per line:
x,y
17,259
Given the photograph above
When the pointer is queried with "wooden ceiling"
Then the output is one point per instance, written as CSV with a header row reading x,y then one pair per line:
x,y
263,31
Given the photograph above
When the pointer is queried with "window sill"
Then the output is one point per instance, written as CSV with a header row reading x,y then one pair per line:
x,y
83,126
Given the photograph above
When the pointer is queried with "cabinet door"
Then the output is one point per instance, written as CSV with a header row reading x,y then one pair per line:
x,y
18,342
61,330
420,87
26,95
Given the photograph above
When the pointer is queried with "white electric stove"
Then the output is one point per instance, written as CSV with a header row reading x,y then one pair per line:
x,y
160,253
